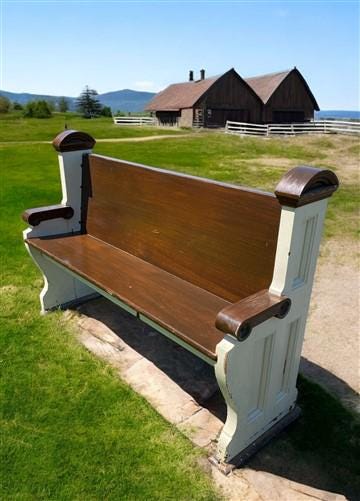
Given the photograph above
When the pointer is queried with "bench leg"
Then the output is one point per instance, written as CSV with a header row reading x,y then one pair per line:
x,y
250,377
232,376
60,288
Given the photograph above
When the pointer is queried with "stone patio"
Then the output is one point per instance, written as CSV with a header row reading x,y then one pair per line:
x,y
183,389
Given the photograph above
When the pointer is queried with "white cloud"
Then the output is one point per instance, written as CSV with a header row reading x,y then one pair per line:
x,y
146,85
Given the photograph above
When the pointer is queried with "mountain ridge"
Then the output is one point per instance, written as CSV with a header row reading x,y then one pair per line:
x,y
129,100
125,100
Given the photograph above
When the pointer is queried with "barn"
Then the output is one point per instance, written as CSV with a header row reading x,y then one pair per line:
x,y
286,97
207,102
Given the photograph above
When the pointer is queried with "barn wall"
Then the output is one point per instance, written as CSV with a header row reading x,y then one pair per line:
x,y
186,118
167,117
291,95
233,96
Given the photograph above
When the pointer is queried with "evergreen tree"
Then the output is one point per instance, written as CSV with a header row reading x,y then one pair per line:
x,y
88,104
63,105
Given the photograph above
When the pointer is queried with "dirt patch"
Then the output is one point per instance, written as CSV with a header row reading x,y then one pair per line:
x,y
340,155
106,140
8,289
285,163
332,343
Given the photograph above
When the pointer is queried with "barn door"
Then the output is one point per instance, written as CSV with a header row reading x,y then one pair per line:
x,y
219,117
288,116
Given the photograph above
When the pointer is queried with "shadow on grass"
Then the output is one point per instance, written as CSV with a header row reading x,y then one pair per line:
x,y
321,449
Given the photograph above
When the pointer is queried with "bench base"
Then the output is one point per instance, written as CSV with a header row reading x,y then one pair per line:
x,y
245,455
74,303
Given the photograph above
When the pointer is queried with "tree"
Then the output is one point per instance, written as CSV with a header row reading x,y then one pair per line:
x,y
51,105
4,104
88,104
106,111
17,106
37,109
63,105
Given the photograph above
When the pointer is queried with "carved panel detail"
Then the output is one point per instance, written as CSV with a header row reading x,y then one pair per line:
x,y
306,252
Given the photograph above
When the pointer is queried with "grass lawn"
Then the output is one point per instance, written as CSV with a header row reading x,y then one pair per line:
x,y
259,163
70,428
15,128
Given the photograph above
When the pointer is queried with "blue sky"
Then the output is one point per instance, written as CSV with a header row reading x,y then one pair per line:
x,y
57,47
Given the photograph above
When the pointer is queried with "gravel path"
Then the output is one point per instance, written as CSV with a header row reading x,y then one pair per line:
x,y
332,342
108,140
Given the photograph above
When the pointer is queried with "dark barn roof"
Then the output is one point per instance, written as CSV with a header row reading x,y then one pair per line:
x,y
186,94
180,95
266,85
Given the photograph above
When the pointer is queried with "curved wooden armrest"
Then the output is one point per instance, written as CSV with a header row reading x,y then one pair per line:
x,y
35,216
240,318
73,140
304,185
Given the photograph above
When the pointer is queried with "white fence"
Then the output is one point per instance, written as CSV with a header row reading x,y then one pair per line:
x,y
134,121
314,127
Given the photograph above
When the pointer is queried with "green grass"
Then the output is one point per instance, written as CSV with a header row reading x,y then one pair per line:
x,y
70,428
215,155
251,162
15,128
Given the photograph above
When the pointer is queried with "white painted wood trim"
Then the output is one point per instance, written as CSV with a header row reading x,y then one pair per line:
x,y
59,288
257,377
70,165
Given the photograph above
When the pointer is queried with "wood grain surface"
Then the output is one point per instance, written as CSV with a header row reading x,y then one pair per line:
x,y
185,310
36,215
219,237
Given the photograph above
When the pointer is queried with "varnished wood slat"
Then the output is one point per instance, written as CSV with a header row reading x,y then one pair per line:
x,y
38,214
240,318
185,310
219,237
73,140
304,185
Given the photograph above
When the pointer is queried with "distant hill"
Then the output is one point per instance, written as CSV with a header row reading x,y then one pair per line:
x,y
134,101
124,100
339,114
24,97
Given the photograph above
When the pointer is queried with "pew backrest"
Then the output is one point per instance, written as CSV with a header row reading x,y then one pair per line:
x,y
219,237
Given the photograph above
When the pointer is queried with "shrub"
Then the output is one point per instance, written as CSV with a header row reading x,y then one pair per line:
x,y
37,109
106,111
17,106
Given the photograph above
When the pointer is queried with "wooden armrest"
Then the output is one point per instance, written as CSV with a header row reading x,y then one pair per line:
x,y
35,216
304,185
240,318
